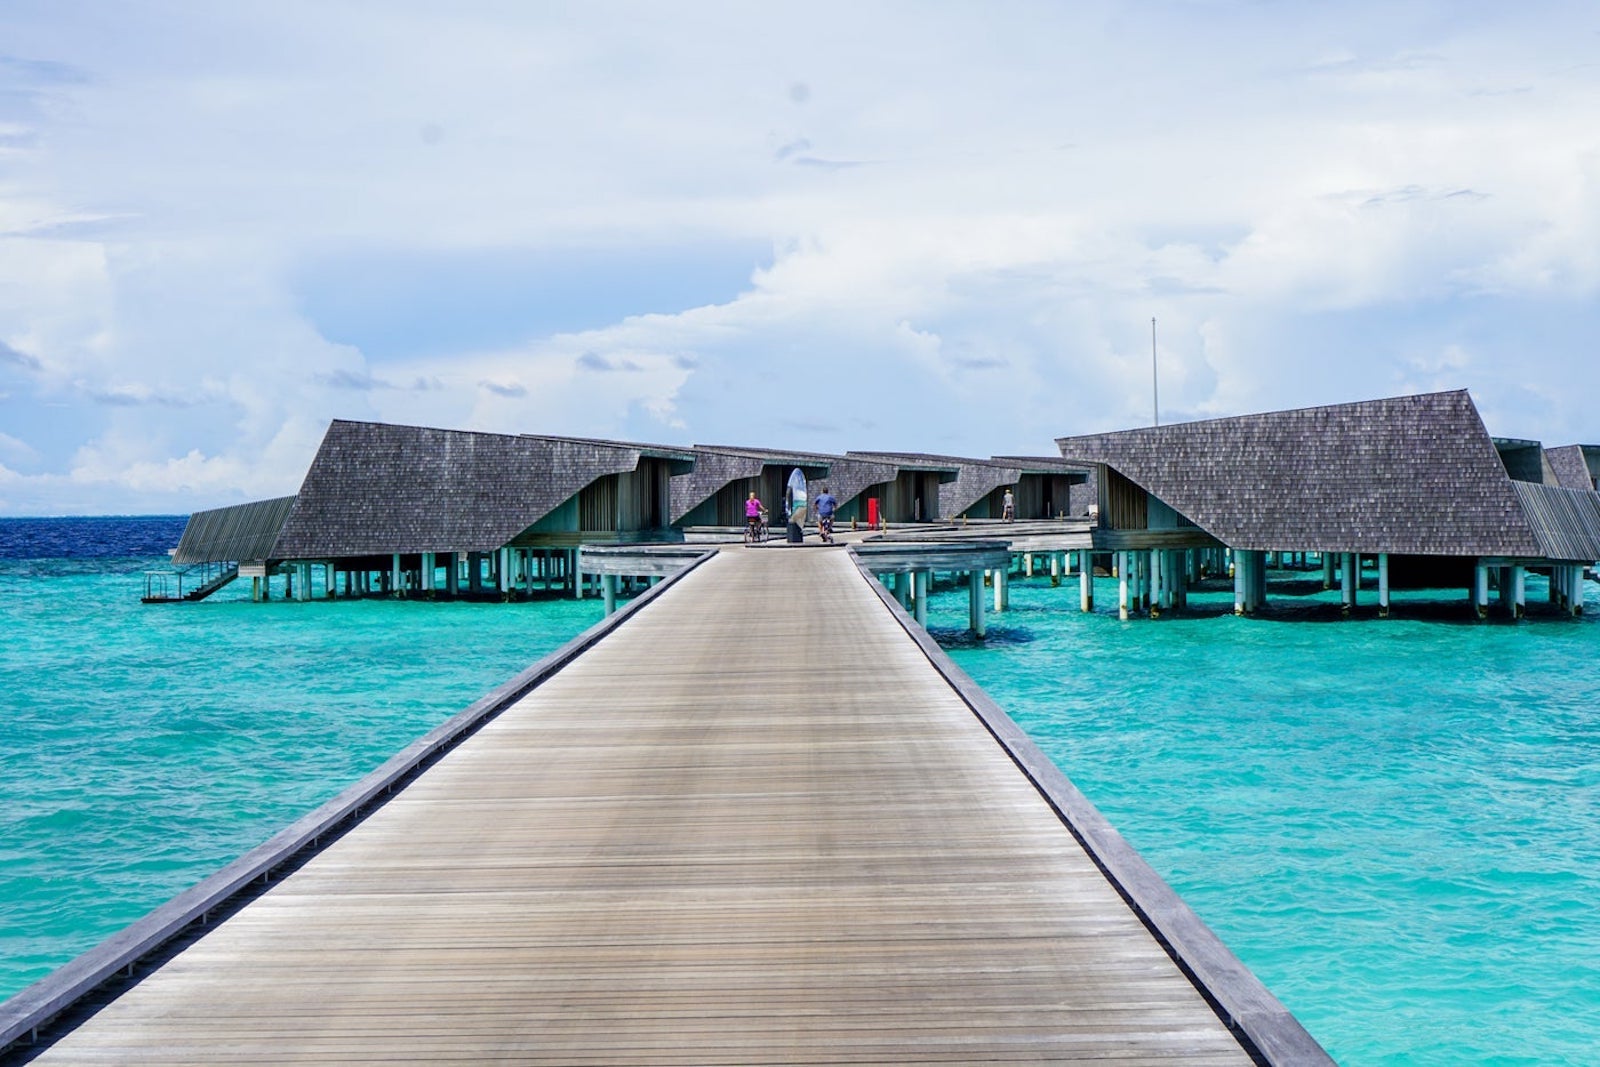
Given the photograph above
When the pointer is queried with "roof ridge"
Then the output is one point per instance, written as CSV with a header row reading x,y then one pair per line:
x,y
1435,395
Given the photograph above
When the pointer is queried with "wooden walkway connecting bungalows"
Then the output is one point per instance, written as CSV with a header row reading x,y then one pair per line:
x,y
756,823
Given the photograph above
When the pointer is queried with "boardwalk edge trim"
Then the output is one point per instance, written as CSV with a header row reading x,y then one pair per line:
x,y
31,1010
1267,1029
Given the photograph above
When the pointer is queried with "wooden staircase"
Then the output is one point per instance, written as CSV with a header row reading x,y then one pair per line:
x,y
200,592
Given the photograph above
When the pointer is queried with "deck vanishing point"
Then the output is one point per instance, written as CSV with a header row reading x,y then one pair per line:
x,y
754,824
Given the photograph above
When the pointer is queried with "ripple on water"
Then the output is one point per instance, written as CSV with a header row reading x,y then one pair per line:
x,y
147,746
1395,823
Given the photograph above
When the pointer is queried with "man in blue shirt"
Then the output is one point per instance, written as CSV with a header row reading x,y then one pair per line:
x,y
826,505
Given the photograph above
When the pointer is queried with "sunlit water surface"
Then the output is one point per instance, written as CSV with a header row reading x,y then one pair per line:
x,y
145,747
1395,823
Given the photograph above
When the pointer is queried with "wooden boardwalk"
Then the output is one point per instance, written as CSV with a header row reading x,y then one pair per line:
x,y
751,826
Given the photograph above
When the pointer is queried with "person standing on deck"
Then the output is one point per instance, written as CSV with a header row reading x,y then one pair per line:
x,y
1008,507
826,504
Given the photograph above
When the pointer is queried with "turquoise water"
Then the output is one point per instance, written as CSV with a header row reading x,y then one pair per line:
x,y
1394,823
147,746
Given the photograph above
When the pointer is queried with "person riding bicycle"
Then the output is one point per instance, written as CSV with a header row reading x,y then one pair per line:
x,y
754,513
826,504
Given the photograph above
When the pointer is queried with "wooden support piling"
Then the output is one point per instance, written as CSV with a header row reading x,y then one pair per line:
x,y
1383,585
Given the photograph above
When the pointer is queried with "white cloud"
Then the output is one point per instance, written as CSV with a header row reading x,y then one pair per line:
x,y
16,450
572,384
1316,207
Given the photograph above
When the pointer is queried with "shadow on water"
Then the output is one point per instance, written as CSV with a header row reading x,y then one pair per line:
x,y
998,637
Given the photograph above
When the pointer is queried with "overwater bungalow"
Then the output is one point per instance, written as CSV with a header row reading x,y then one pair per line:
x,y
906,488
1047,487
714,492
1040,486
403,509
856,482
976,491
1415,484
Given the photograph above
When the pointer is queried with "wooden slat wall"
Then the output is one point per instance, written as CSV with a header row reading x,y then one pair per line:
x,y
597,504
241,532
731,498
1040,496
1565,521
1123,505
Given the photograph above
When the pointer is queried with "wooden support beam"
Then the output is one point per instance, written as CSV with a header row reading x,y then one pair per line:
x,y
1241,584
1157,587
1383,585
1123,605
975,603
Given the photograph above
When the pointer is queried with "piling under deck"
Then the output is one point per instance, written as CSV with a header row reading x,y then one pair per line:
x,y
752,825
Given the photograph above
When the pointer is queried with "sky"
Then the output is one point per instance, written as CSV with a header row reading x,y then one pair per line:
x,y
871,225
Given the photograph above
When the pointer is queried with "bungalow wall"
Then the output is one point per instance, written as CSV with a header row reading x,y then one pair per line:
x,y
622,505
912,497
625,503
1524,463
1039,496
774,484
1082,495
726,506
768,487
1123,505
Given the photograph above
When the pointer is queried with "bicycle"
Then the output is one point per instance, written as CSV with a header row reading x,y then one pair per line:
x,y
755,530
825,528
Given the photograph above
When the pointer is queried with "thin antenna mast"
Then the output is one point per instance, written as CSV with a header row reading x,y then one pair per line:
x,y
1155,382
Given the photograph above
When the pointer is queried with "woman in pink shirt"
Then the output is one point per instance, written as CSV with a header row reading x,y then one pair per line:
x,y
753,514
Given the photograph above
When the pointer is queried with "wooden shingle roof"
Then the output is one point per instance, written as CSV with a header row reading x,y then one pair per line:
x,y
712,471
947,467
1044,465
682,458
1412,474
974,480
978,478
378,488
850,475
717,466
1571,465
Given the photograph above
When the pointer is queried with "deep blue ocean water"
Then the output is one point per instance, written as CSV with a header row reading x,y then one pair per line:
x,y
146,746
1395,823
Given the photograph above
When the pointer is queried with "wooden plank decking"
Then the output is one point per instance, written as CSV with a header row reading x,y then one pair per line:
x,y
752,826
